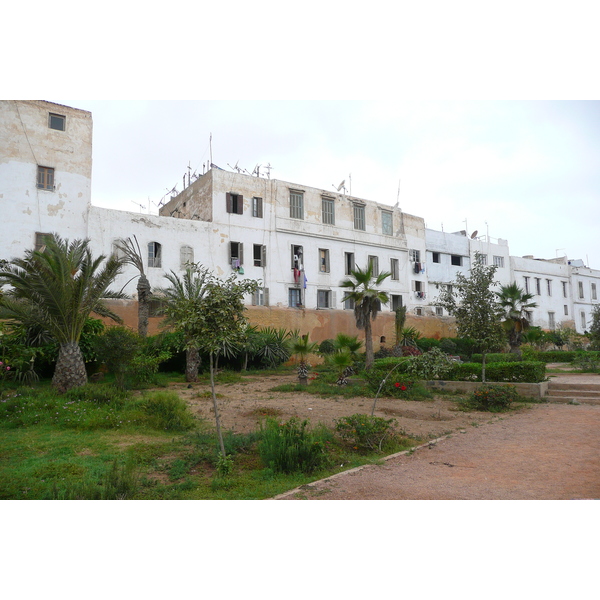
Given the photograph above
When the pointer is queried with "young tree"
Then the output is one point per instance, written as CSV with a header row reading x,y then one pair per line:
x,y
301,347
132,255
594,330
57,288
476,308
367,302
515,302
180,301
215,322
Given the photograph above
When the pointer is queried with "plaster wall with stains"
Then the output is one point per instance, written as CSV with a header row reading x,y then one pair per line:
x,y
28,142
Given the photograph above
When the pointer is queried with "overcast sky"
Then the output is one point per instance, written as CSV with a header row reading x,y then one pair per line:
x,y
525,171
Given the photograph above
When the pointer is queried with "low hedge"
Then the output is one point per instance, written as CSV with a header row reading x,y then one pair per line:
x,y
494,357
566,356
516,372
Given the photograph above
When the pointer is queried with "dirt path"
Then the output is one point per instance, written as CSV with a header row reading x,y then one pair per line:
x,y
550,452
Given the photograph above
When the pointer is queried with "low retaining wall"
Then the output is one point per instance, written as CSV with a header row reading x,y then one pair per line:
x,y
527,390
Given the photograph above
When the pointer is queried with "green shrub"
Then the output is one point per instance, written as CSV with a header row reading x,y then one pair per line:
x,y
496,357
326,347
566,356
426,344
433,364
493,398
166,410
516,372
448,346
291,447
364,432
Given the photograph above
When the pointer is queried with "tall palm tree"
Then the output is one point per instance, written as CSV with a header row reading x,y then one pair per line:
x,y
181,300
56,288
367,302
132,255
515,302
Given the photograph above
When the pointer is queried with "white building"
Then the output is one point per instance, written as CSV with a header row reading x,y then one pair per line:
x,y
299,241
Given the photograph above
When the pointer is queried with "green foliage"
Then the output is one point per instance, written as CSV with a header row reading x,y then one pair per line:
x,y
475,306
564,356
117,348
326,347
497,357
594,329
291,447
270,347
517,372
588,362
166,410
364,432
301,348
450,346
425,344
389,377
430,365
224,465
493,398
410,336
515,303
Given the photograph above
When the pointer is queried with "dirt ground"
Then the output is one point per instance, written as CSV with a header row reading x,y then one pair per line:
x,y
243,405
539,452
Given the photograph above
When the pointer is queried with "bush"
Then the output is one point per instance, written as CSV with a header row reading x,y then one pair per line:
x,y
388,377
291,447
496,357
326,347
448,346
364,432
433,364
516,372
566,356
166,410
493,398
426,344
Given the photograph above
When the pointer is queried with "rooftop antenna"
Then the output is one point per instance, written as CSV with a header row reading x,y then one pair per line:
x,y
563,249
350,183
398,199
140,205
268,168
210,146
342,186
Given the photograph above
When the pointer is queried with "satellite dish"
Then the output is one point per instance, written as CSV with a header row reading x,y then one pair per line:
x,y
474,234
339,187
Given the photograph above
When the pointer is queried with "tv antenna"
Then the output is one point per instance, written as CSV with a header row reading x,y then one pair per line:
x,y
398,198
236,168
268,168
142,206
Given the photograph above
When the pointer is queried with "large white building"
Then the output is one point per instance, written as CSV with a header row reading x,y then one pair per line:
x,y
299,241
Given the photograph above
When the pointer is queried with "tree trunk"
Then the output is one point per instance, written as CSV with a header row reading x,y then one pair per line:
x,y
70,368
192,363
214,397
144,294
369,359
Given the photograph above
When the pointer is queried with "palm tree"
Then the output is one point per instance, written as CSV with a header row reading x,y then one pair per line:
x,y
515,302
132,255
56,288
181,300
301,347
367,302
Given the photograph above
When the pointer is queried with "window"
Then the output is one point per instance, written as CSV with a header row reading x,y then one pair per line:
x,y
328,211
580,288
551,321
186,255
323,299
449,288
419,311
456,260
482,259
236,254
260,255
564,287
594,293
297,257
296,205
499,261
323,260
41,240
386,222
295,297
538,286
374,264
583,321
235,203
395,268
439,311
57,122
349,262
257,207
549,286
566,310
396,301
45,178
348,303
526,280
414,255
359,217
260,297
435,256
418,285
154,254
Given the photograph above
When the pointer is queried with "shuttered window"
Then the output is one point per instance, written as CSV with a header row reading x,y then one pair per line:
x,y
235,203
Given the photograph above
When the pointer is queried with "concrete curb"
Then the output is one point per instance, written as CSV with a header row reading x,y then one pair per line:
x,y
307,486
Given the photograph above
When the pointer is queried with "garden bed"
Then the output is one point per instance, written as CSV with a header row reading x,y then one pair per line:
x,y
537,391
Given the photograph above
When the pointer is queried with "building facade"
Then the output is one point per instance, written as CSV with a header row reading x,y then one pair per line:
x,y
300,242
